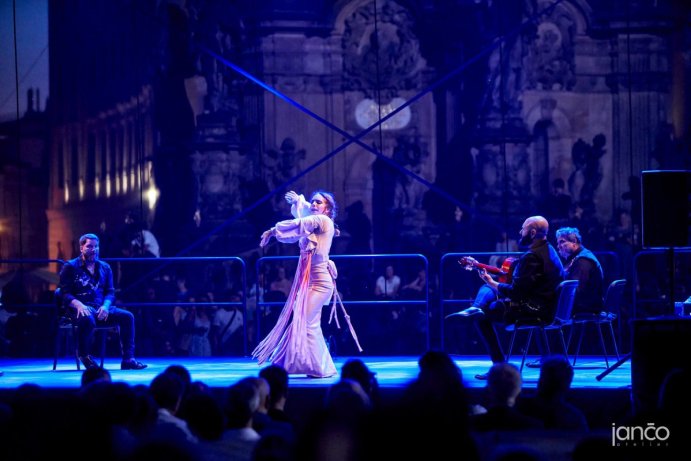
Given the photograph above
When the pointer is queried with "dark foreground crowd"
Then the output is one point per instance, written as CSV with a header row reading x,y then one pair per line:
x,y
433,417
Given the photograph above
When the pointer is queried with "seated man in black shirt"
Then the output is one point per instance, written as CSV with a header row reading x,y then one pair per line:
x,y
87,292
532,292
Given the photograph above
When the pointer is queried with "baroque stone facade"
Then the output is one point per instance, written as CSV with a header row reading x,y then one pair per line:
x,y
506,98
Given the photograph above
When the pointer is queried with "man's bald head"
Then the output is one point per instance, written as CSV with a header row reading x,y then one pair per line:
x,y
540,225
534,228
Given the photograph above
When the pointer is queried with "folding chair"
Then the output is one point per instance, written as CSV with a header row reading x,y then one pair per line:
x,y
562,318
612,309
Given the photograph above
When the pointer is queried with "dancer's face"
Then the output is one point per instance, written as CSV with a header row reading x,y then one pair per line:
x,y
318,205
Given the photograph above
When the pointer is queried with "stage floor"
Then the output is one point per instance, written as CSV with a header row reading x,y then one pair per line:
x,y
603,402
392,372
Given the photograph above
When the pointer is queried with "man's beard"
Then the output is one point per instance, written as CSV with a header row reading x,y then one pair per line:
x,y
90,257
525,241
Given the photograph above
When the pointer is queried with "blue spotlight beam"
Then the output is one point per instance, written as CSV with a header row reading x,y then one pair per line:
x,y
357,138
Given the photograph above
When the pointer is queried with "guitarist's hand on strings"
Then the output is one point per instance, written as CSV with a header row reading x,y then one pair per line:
x,y
504,272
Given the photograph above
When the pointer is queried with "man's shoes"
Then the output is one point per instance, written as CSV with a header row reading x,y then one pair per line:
x,y
534,364
472,311
482,377
88,361
132,364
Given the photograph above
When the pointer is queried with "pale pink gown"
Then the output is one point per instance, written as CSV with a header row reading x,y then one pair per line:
x,y
296,342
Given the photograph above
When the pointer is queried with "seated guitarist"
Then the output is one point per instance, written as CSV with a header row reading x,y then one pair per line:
x,y
532,291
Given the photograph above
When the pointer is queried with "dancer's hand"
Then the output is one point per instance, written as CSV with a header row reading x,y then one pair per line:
x,y
266,236
291,197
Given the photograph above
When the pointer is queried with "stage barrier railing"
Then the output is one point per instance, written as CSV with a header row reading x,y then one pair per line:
x,y
340,260
141,283
41,275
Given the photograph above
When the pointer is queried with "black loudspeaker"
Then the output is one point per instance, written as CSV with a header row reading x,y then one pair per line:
x,y
665,208
658,347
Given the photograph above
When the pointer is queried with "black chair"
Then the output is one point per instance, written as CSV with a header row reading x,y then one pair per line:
x,y
562,318
65,325
612,308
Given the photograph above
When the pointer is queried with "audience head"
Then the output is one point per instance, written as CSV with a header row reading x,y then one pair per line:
x,y
439,365
346,399
556,375
277,377
42,421
116,401
145,411
439,391
356,370
204,416
167,390
181,372
242,400
504,383
94,374
264,390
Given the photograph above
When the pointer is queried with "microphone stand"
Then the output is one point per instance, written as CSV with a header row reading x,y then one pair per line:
x,y
613,367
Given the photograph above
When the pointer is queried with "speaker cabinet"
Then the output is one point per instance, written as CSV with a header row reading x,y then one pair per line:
x,y
665,208
658,347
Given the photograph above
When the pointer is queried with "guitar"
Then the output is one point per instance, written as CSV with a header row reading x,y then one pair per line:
x,y
504,272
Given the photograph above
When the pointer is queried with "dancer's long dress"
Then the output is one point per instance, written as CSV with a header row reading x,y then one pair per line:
x,y
296,342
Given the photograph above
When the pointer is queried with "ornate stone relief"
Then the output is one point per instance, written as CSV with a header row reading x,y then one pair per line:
x,y
385,56
550,63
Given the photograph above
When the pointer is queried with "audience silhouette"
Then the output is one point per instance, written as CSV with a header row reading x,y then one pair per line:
x,y
504,384
175,417
550,404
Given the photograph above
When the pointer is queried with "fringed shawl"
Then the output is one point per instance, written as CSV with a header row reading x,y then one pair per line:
x,y
273,343
297,297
